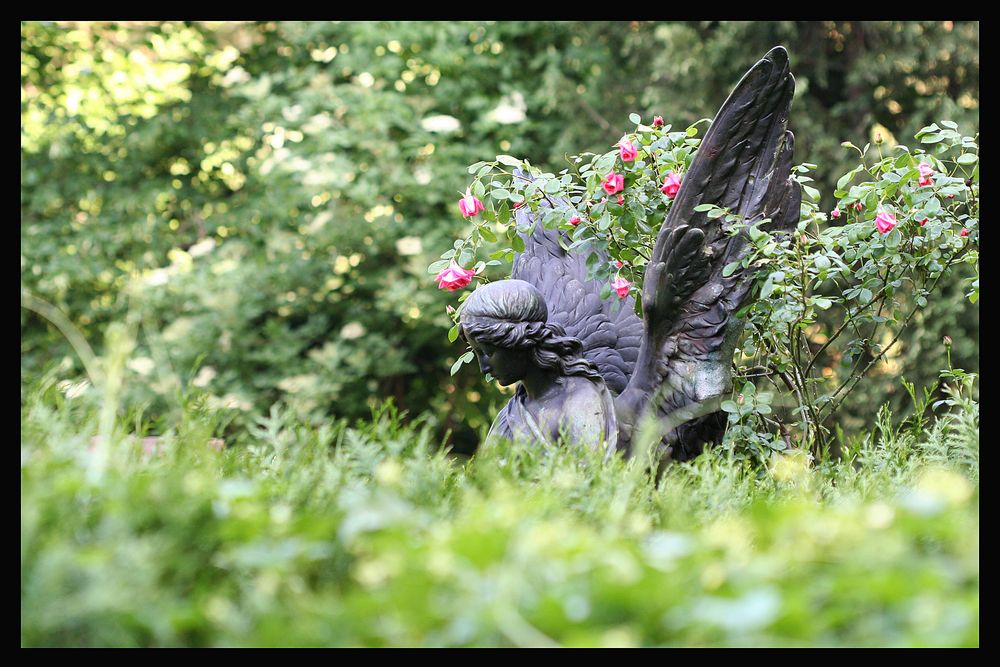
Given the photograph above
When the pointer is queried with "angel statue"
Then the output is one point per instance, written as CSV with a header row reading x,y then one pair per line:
x,y
592,371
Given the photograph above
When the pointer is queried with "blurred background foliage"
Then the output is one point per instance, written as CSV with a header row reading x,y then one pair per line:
x,y
262,199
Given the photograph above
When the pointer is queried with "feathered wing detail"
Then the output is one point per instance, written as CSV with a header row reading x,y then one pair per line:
x,y
690,331
609,330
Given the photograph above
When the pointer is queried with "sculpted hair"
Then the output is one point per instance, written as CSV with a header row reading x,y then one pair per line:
x,y
512,314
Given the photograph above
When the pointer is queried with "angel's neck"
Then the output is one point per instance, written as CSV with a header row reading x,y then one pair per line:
x,y
539,383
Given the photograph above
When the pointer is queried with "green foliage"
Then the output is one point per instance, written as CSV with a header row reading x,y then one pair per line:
x,y
263,196
369,535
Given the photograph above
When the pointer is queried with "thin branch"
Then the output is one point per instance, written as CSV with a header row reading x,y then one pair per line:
x,y
598,118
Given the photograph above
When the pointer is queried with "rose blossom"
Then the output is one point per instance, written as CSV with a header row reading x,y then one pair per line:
x,y
614,183
671,184
627,150
924,222
964,232
621,199
657,121
835,213
454,277
885,222
858,206
926,171
469,205
575,220
621,286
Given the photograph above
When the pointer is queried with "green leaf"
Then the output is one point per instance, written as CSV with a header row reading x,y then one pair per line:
x,y
509,160
517,243
767,288
635,118
730,269
487,234
500,193
552,187
453,335
846,178
464,359
967,158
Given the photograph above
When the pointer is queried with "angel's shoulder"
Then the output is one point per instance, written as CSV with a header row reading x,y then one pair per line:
x,y
580,389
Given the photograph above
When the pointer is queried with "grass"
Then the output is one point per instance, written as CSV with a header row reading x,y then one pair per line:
x,y
371,535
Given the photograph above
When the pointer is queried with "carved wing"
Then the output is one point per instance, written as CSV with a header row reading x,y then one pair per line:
x,y
690,331
610,330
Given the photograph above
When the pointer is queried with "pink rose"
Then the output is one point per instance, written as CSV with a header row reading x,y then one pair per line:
x,y
454,277
926,170
858,206
964,232
614,183
518,204
923,222
469,205
950,196
618,265
575,220
885,222
835,213
671,184
627,150
621,200
925,181
621,286
657,121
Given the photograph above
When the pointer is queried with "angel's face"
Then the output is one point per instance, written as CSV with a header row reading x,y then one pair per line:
x,y
506,365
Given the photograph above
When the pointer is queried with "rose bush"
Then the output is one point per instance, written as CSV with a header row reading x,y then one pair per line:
x,y
830,301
